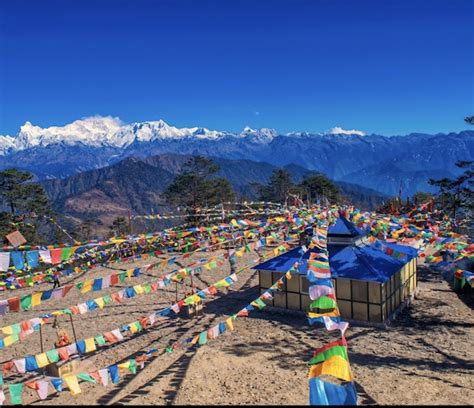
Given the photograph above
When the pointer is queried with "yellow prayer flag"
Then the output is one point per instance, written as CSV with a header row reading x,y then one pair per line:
x,y
8,341
36,299
90,344
230,323
42,360
87,286
129,273
336,366
7,330
100,302
73,384
288,275
138,289
124,366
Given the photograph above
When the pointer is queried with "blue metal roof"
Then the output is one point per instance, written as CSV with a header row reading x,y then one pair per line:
x,y
363,262
343,227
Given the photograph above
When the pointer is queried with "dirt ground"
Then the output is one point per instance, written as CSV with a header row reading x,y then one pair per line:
x,y
424,357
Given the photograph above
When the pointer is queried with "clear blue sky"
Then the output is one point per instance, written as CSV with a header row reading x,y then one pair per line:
x,y
388,67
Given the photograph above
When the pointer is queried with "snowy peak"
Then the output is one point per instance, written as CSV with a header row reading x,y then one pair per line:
x,y
100,131
340,131
92,131
108,131
263,135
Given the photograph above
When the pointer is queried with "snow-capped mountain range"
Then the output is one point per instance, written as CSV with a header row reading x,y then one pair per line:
x,y
108,131
378,162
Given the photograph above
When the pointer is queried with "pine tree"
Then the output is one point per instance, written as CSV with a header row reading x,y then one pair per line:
x,y
24,205
196,186
316,186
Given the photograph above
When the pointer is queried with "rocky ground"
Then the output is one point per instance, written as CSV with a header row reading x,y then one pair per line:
x,y
423,357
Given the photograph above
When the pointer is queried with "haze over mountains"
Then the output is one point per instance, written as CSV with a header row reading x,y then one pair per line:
x,y
377,162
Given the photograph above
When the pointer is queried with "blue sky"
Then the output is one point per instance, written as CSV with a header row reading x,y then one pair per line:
x,y
387,67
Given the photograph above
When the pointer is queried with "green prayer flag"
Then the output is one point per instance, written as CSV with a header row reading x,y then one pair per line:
x,y
147,288
25,302
261,304
87,377
203,337
132,366
65,253
122,276
107,299
333,351
323,302
15,393
100,340
52,355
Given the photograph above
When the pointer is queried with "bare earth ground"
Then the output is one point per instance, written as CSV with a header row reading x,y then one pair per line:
x,y
424,357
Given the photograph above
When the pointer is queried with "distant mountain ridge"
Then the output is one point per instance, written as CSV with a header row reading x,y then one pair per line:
x,y
378,162
137,184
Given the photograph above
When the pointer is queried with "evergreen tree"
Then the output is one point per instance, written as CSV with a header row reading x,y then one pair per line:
x,y
277,189
120,227
457,194
316,186
196,186
25,206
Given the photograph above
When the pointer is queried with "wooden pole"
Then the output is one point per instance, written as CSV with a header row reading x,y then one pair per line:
x,y
41,337
73,329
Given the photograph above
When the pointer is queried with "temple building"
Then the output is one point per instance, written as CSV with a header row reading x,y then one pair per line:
x,y
372,280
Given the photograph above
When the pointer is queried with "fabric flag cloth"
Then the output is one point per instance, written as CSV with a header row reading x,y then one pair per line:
x,y
42,389
18,259
336,366
15,393
323,302
316,291
4,261
325,393
55,255
104,376
57,384
42,360
114,373
331,324
335,348
33,258
45,255
73,384
14,304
